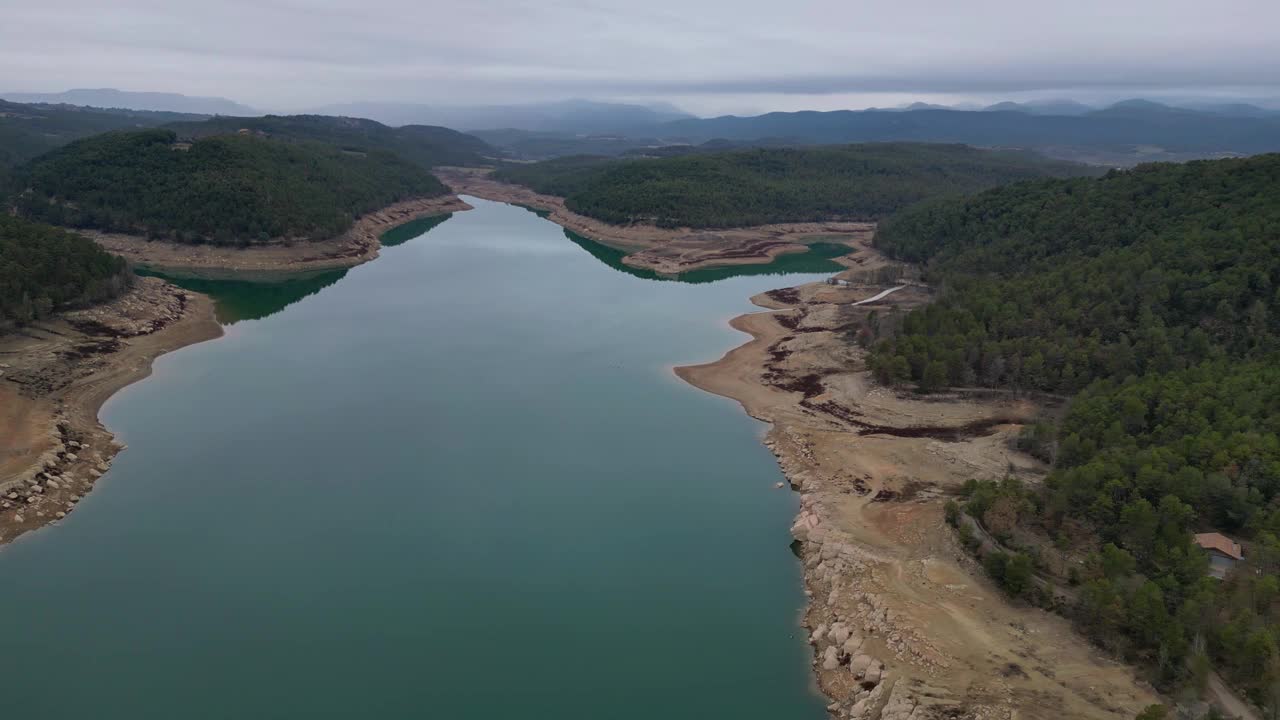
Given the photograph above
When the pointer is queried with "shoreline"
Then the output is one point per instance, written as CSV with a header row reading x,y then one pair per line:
x,y
58,374
359,244
903,623
667,251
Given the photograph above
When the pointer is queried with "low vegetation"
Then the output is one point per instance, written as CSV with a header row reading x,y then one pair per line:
x,y
755,187
226,189
1149,297
43,268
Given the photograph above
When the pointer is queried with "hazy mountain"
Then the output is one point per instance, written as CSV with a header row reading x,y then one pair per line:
x,y
926,106
1131,131
29,130
532,145
568,116
1140,108
424,145
1235,109
1042,107
112,98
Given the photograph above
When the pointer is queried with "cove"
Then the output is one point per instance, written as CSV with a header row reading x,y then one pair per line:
x,y
459,481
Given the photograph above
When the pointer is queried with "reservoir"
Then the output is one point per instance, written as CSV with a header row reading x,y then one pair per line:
x,y
457,482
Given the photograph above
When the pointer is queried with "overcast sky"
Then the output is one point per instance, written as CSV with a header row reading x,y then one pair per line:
x,y
708,56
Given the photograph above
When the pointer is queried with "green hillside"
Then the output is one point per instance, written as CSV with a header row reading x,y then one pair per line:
x,y
43,268
754,187
1152,298
224,189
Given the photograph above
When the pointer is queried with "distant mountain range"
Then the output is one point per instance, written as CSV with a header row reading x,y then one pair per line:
x,y
1124,133
1041,107
156,101
568,116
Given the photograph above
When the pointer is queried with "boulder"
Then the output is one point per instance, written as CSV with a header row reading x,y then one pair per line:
x,y
853,644
858,666
831,658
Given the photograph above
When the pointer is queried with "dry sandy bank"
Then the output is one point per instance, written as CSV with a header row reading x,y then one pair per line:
x,y
56,376
669,251
358,245
903,623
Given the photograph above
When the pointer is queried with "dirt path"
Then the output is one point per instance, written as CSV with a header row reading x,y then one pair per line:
x,y
358,245
669,251
1227,701
903,623
56,376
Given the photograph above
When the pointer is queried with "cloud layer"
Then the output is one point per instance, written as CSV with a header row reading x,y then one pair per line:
x,y
713,54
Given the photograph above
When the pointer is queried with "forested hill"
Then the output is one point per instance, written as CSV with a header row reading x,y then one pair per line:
x,y
43,268
1153,297
1056,283
425,145
224,189
755,187
1123,132
29,130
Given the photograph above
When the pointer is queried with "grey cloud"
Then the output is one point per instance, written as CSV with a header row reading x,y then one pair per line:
x,y
290,53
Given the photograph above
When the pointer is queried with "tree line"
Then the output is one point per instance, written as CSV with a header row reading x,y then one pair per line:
x,y
43,269
1149,297
775,185
227,189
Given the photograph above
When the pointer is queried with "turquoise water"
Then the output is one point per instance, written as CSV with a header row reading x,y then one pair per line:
x,y
459,481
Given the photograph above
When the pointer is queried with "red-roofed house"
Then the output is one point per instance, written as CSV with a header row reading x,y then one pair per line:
x,y
1224,552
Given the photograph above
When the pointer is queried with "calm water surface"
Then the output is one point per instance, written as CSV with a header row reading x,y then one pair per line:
x,y
457,482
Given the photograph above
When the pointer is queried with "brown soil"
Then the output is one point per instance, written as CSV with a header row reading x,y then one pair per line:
x,y
358,245
56,376
669,251
903,623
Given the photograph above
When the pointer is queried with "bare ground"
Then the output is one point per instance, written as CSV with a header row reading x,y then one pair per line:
x,y
669,251
56,376
358,245
903,623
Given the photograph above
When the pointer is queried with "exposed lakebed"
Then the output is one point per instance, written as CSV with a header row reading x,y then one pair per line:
x,y
459,481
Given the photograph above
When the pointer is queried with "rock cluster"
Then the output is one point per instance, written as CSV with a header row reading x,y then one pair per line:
x,y
55,484
151,306
856,636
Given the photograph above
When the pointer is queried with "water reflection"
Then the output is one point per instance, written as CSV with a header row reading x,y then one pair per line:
x,y
402,234
236,300
819,259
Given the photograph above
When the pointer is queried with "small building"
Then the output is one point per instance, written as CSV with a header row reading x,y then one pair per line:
x,y
1224,552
